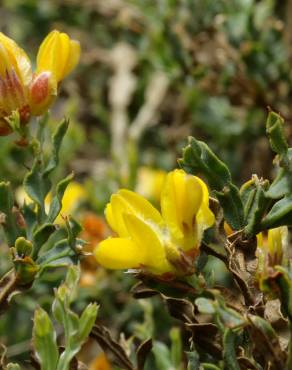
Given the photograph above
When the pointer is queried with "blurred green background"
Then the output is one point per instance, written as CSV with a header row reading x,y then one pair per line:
x,y
152,73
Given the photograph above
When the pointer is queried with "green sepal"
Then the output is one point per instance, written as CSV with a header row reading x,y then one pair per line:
x,y
25,268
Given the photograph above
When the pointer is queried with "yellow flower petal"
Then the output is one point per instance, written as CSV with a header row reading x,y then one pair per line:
x,y
180,202
126,201
117,208
205,217
58,54
148,241
170,207
17,58
73,57
277,241
119,253
140,206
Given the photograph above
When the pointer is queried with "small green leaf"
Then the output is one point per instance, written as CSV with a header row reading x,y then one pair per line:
x,y
229,354
280,214
56,204
12,366
176,347
36,185
193,360
276,134
12,230
87,321
205,305
255,204
58,137
44,339
40,236
162,356
199,159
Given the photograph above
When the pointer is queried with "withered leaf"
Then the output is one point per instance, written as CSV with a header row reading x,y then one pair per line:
x,y
115,352
142,353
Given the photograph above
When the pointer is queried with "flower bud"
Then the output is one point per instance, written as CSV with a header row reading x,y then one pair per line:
x,y
23,247
42,92
271,251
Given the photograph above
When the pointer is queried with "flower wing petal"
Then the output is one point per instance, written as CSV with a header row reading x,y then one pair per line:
x,y
149,242
119,253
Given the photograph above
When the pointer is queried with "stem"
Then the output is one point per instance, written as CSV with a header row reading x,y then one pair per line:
x,y
8,285
289,361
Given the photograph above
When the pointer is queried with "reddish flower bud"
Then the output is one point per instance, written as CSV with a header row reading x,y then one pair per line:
x,y
43,91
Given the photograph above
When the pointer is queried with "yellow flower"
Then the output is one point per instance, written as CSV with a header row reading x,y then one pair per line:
x,y
163,243
150,182
31,93
73,196
271,249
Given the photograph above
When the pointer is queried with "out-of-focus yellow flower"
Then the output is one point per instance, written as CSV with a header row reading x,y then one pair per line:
x,y
163,243
31,93
73,196
150,182
271,249
100,363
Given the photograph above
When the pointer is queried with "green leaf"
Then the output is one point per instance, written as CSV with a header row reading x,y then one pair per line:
x,y
9,222
229,354
284,283
176,347
87,321
276,134
58,137
36,185
56,204
230,201
37,182
76,329
44,339
210,367
226,317
193,360
12,366
255,204
40,237
199,159
205,305
280,214
282,185
162,356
